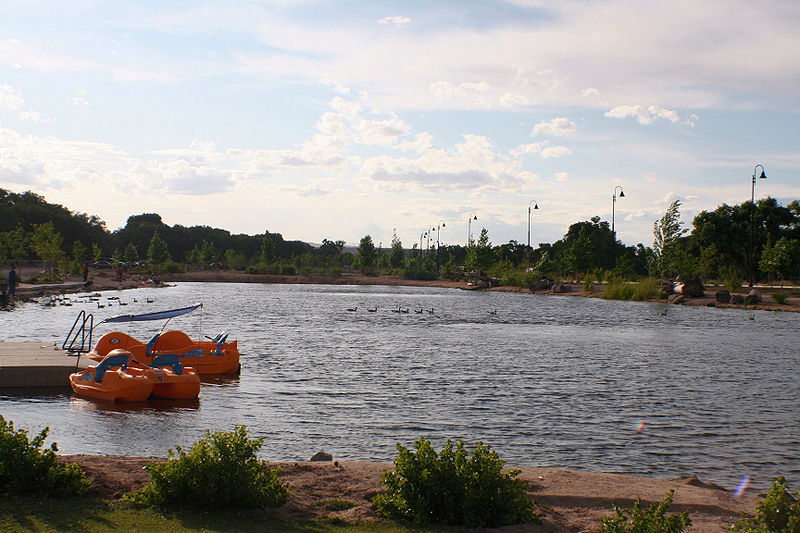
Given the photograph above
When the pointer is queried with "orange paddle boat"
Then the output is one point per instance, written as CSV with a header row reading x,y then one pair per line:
x,y
110,381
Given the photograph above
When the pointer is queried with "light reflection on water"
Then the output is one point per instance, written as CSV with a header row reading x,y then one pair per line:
x,y
547,381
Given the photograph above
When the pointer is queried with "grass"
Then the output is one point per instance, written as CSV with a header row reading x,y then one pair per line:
x,y
646,289
93,515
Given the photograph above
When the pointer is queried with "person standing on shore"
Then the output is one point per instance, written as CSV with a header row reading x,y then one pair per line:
x,y
12,282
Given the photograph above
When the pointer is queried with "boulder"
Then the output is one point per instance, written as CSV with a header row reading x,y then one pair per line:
x,y
667,288
691,288
321,456
755,297
737,299
560,288
542,284
676,299
722,296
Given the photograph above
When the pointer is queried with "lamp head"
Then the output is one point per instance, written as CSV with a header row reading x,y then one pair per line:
x,y
536,206
621,193
763,175
476,217
444,225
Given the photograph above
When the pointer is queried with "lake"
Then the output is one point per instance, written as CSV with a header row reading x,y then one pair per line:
x,y
553,381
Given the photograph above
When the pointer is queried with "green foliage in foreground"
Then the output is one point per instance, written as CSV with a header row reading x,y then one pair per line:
x,y
646,289
778,512
25,467
780,297
221,471
92,515
453,487
652,519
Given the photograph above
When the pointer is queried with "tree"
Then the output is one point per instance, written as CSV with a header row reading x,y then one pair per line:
x,y
267,255
667,233
777,259
13,244
157,252
365,254
79,252
131,254
46,243
97,252
480,256
397,254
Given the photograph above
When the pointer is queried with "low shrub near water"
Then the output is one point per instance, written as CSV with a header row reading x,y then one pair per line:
x,y
778,512
780,297
27,468
646,289
453,487
652,519
220,471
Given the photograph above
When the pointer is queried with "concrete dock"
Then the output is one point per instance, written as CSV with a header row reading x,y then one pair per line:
x,y
33,364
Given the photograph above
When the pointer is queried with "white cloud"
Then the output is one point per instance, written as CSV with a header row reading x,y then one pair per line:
x,y
545,149
394,21
647,115
558,127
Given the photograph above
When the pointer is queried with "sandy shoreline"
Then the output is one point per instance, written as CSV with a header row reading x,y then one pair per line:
x,y
569,501
104,280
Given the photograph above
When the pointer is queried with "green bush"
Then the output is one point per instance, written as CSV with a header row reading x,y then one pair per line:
x,y
646,289
780,297
453,487
171,267
221,471
778,512
652,519
25,468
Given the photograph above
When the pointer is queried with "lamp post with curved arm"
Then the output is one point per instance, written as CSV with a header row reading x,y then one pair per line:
x,y
422,235
535,206
762,176
438,235
472,216
613,206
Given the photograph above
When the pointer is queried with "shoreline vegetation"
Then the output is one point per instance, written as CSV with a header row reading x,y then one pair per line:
x,y
567,500
105,280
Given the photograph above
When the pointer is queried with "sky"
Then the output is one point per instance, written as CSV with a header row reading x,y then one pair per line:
x,y
338,119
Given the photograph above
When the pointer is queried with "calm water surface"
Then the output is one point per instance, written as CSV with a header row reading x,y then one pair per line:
x,y
548,381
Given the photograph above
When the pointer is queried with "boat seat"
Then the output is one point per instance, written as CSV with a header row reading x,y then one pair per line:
x,y
220,342
171,360
149,348
119,359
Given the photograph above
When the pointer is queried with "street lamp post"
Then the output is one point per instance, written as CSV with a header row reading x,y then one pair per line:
x,y
438,235
762,176
535,206
472,216
613,206
421,236
428,244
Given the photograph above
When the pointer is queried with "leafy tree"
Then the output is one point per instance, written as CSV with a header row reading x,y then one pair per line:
x,y
131,254
667,233
97,252
778,258
652,519
13,244
777,512
366,254
586,247
480,255
79,252
267,249
208,253
157,251
397,254
46,243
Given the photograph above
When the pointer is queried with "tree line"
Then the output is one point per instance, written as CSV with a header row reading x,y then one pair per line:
x,y
758,240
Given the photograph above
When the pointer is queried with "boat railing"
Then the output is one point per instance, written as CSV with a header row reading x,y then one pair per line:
x,y
79,339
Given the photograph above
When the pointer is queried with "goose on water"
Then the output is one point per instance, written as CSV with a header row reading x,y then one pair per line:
x,y
351,309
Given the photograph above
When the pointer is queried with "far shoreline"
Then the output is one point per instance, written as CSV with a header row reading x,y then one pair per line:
x,y
105,280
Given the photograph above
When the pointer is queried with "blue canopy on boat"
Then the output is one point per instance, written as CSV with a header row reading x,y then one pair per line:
x,y
158,315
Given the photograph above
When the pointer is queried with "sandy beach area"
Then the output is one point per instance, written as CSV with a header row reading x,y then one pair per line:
x,y
568,501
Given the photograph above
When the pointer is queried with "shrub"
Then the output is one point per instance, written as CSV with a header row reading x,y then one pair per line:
x,y
650,520
616,289
731,278
220,471
778,512
646,289
25,468
453,487
588,284
780,297
171,267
